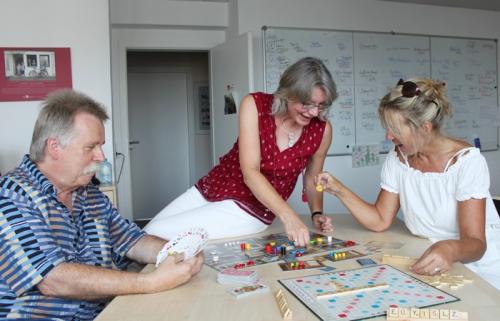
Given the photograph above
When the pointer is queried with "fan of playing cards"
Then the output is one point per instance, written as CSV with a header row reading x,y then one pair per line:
x,y
189,243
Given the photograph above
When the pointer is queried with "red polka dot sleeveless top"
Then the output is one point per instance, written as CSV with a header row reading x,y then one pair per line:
x,y
225,181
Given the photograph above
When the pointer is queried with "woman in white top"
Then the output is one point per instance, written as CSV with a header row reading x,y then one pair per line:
x,y
440,183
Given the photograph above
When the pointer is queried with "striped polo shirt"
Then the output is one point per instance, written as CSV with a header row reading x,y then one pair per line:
x,y
37,232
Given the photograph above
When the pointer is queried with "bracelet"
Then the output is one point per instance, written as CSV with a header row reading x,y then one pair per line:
x,y
316,213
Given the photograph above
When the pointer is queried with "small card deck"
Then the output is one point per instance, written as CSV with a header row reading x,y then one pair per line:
x,y
237,276
248,290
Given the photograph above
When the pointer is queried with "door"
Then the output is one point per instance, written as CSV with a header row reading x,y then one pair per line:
x,y
231,64
158,138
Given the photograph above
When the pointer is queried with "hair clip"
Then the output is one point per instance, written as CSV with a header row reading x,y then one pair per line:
x,y
409,89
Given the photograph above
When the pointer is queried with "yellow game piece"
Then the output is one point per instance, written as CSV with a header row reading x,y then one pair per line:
x,y
319,188
248,246
319,240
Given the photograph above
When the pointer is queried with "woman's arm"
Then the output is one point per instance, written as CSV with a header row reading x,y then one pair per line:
x,y
314,167
250,158
376,217
470,247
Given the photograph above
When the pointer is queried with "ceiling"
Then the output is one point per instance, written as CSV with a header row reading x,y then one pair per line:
x,y
493,5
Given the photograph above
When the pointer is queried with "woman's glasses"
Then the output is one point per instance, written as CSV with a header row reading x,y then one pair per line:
x,y
308,106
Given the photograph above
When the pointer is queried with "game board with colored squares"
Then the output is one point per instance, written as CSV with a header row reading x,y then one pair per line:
x,y
266,249
363,293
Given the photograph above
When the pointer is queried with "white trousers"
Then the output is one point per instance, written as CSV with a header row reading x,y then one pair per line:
x,y
220,219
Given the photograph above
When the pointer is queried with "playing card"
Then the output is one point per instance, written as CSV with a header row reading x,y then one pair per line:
x,y
188,243
249,290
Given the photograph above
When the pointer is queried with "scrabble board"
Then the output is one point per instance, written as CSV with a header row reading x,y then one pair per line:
x,y
363,293
224,255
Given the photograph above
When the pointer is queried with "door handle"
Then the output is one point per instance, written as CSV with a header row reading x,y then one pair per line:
x,y
134,142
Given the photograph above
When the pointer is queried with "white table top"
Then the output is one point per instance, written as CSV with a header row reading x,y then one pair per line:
x,y
202,298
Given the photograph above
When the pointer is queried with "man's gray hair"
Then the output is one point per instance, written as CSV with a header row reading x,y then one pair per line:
x,y
57,117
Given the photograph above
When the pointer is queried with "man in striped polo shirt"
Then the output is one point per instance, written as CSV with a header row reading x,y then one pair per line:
x,y
62,243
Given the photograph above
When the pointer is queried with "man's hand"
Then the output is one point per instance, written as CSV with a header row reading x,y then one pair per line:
x,y
172,273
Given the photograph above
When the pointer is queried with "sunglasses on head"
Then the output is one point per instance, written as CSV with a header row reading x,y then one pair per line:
x,y
409,89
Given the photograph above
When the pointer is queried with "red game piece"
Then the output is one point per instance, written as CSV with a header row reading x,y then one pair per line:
x,y
250,263
302,265
242,246
349,243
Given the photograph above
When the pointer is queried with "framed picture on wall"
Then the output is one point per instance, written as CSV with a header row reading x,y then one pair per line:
x,y
31,73
202,107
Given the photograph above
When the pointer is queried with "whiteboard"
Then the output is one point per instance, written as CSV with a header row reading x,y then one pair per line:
x,y
366,65
469,68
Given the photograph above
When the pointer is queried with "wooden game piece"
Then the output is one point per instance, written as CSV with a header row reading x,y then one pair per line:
x,y
286,313
404,313
415,314
345,291
452,281
398,260
434,314
444,314
392,313
424,313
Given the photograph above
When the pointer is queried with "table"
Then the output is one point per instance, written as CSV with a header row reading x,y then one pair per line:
x,y
203,298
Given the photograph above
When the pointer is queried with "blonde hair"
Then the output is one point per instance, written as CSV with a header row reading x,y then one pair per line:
x,y
418,100
297,82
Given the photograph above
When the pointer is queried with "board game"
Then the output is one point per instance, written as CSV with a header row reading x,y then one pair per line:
x,y
363,293
266,249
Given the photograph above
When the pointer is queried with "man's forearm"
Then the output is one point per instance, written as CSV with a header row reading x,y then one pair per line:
x,y
80,281
146,249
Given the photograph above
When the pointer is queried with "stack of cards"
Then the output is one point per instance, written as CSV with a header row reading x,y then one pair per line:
x,y
249,290
237,276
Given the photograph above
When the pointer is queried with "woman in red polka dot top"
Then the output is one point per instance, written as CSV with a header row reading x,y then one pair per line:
x,y
280,136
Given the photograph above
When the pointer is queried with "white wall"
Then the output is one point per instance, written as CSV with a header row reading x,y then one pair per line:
x,y
363,15
83,26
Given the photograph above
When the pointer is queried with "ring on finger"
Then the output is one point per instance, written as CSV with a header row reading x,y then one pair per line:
x,y
436,269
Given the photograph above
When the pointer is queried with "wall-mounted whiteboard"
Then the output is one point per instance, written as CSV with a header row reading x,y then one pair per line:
x,y
366,65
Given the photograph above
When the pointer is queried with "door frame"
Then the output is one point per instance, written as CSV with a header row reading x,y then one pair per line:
x,y
121,131
123,40
190,135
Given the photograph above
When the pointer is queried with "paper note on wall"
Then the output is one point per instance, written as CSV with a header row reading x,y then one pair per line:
x,y
365,155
